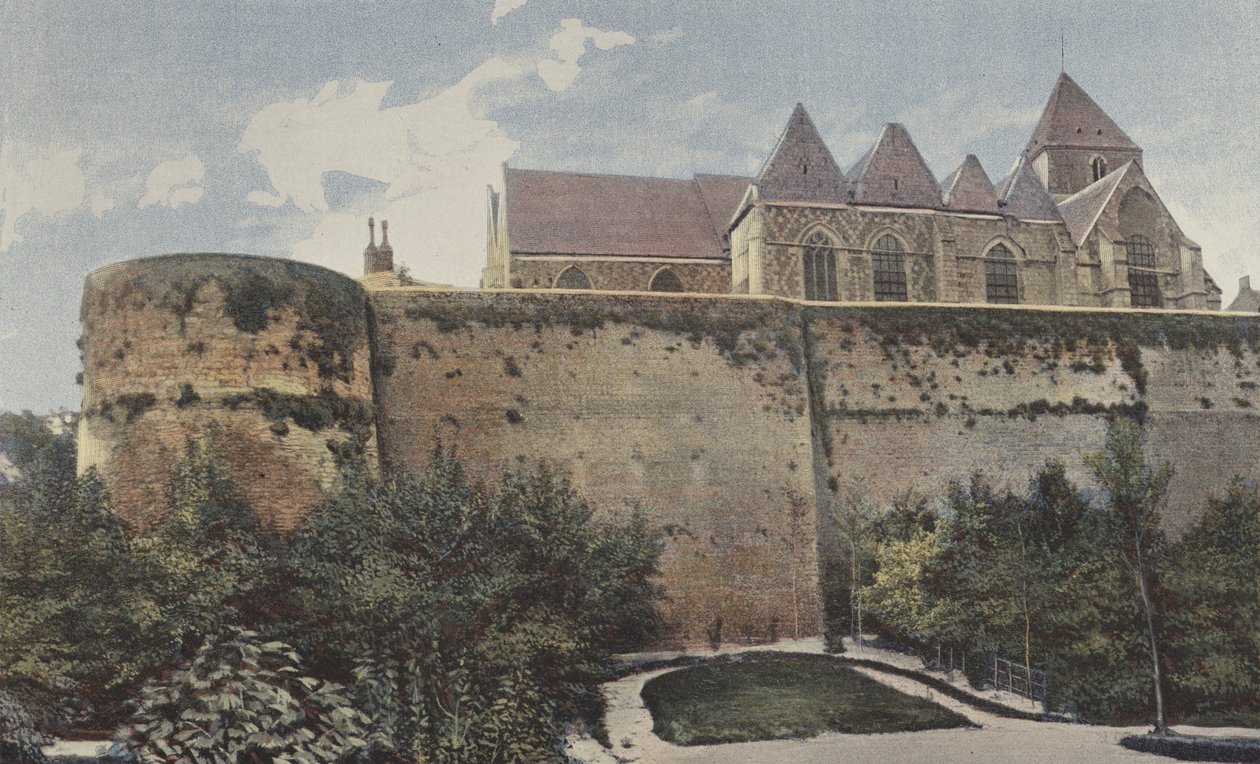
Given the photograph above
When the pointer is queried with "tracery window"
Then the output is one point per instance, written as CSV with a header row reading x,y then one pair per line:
x,y
888,262
666,280
1143,286
1098,167
572,278
819,267
1001,281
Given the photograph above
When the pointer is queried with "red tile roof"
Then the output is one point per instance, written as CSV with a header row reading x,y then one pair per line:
x,y
1073,120
618,215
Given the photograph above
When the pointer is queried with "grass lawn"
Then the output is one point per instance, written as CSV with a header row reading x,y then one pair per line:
x,y
787,696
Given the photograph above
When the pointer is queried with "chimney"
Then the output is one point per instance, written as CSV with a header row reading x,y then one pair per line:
x,y
1244,284
378,259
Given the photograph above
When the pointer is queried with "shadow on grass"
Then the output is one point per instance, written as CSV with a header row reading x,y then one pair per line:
x,y
1193,748
781,695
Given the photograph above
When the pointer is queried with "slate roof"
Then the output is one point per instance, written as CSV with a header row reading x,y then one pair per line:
x,y
1021,194
1081,210
618,215
968,189
893,173
1248,299
1072,119
801,168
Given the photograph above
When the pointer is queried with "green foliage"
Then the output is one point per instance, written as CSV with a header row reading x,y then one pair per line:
x,y
207,562
474,623
250,302
1214,616
34,449
244,700
20,741
72,609
310,412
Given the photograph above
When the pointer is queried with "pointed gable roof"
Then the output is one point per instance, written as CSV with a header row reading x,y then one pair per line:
x,y
969,189
1021,194
894,173
801,167
1081,210
1072,119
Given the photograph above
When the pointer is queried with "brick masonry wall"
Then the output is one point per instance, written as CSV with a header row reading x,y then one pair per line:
x,y
161,327
694,412
620,276
648,410
732,422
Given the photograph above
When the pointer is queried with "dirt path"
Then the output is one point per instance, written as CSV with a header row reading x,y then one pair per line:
x,y
998,741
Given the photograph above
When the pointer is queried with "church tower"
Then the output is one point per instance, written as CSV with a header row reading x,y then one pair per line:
x,y
1076,143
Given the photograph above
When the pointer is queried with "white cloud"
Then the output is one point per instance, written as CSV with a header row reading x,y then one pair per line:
x,y
435,158
503,8
569,45
175,182
44,185
101,203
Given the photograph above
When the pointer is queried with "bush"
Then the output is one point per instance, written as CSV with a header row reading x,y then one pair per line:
x,y
475,623
245,700
20,742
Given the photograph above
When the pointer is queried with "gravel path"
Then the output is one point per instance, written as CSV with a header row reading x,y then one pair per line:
x,y
997,741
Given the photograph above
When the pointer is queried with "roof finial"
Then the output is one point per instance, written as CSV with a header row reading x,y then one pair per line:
x,y
371,231
384,233
1062,51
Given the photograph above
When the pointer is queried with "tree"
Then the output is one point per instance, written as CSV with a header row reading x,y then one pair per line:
x,y
855,516
1134,493
474,622
898,594
1214,625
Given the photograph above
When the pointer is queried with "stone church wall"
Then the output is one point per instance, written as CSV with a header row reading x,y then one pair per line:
x,y
622,276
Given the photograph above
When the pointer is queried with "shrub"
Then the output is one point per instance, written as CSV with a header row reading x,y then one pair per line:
x,y
244,700
474,622
20,742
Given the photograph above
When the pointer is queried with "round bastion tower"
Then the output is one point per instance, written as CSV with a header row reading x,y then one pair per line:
x,y
267,359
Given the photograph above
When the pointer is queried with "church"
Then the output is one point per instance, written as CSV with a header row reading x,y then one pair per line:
x,y
1075,222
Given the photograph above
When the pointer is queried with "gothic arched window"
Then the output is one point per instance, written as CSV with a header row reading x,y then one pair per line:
x,y
1143,284
889,265
1098,167
665,280
819,266
572,278
1001,282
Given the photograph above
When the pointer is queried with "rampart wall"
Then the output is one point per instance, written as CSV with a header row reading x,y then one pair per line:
x,y
735,423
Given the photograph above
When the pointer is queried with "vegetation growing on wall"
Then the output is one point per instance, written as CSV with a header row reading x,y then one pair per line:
x,y
310,412
330,309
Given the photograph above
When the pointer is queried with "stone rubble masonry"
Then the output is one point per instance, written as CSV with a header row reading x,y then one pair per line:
x,y
161,327
732,422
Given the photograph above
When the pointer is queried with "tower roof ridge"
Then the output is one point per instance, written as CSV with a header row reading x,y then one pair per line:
x,y
1072,119
893,172
801,167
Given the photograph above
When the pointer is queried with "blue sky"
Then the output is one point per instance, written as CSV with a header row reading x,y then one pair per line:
x,y
276,128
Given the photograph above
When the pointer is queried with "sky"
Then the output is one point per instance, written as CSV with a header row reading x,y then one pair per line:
x,y
276,127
